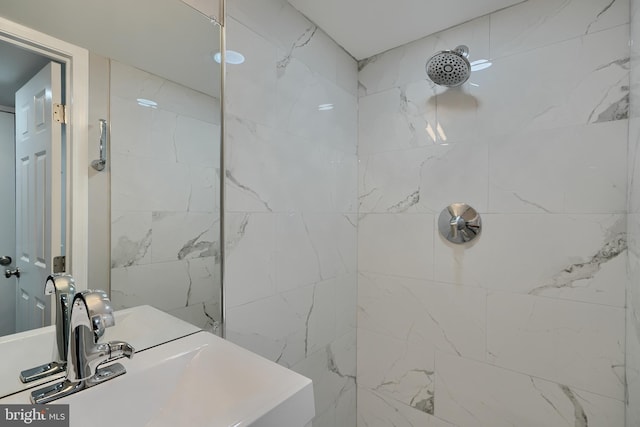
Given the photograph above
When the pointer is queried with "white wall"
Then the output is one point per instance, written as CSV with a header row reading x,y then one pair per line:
x,y
291,209
526,326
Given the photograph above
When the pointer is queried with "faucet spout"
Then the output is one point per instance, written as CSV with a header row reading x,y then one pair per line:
x,y
91,314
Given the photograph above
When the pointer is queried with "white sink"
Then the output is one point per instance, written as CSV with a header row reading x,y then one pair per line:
x,y
198,380
142,327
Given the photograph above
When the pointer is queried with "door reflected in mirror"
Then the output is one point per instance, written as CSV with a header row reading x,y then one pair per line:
x,y
33,207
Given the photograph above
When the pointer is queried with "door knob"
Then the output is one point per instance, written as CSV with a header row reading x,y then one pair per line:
x,y
5,260
8,273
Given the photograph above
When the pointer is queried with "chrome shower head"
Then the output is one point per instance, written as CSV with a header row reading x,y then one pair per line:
x,y
449,68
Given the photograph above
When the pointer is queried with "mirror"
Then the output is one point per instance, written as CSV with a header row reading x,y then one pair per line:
x,y
153,211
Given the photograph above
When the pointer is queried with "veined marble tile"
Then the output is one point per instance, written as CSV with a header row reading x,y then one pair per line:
x,y
633,368
250,260
274,20
260,156
332,370
634,166
170,185
274,327
404,249
131,83
197,142
163,134
390,181
347,72
131,128
326,418
166,136
342,413
131,187
131,238
321,320
287,29
579,81
577,344
138,184
632,354
425,179
164,286
313,47
204,280
455,173
313,247
378,410
460,111
201,315
253,83
633,230
261,17
204,193
344,178
401,369
575,257
303,100
297,255
346,302
533,24
448,317
572,158
406,64
184,235
470,393
633,290
251,165
397,119
634,48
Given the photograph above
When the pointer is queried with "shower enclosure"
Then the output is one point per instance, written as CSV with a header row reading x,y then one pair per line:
x,y
523,326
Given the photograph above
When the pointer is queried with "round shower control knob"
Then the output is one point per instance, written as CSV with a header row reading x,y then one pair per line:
x,y
459,223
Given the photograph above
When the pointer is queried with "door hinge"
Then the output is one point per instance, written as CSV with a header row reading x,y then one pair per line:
x,y
60,113
59,264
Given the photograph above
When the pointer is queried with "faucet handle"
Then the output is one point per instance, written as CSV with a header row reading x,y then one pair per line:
x,y
98,308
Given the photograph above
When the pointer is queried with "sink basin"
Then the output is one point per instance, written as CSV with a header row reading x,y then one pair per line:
x,y
198,380
142,327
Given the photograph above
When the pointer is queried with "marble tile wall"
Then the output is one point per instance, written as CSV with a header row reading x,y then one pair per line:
x,y
633,223
526,326
164,197
291,197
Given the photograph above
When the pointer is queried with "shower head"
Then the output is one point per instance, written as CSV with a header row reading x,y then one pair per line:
x,y
449,68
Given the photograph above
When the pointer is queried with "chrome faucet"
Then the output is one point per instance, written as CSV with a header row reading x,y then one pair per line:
x,y
64,288
91,314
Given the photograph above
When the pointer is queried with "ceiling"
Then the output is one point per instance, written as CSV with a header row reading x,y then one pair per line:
x,y
164,37
383,24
